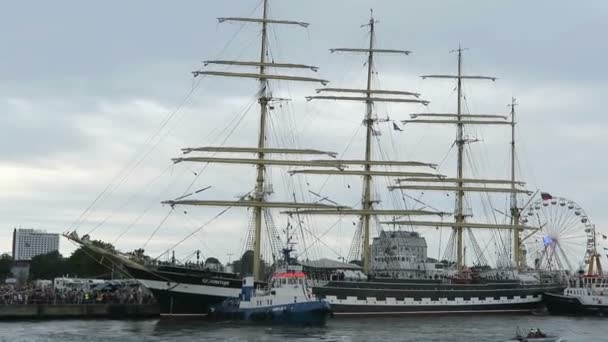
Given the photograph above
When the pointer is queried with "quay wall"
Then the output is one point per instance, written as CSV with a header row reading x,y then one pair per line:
x,y
78,311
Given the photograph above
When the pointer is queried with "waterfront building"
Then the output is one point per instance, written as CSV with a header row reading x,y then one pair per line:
x,y
399,254
28,243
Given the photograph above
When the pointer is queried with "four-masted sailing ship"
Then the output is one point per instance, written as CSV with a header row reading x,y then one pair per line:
x,y
464,289
188,291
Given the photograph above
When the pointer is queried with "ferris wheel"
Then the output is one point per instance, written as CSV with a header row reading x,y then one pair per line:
x,y
566,238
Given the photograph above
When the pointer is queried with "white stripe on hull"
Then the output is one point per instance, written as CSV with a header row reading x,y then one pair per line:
x,y
426,312
351,306
205,290
392,302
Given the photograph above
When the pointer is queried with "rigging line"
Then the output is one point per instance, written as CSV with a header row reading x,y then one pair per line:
x,y
185,258
200,239
485,248
245,241
157,228
100,260
132,224
299,220
350,142
152,203
150,206
404,194
200,228
135,156
241,26
318,239
445,157
485,205
221,144
288,181
521,145
392,196
216,133
129,199
419,199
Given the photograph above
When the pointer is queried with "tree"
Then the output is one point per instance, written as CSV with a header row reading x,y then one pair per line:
x,y
212,260
246,263
48,266
244,266
85,263
6,262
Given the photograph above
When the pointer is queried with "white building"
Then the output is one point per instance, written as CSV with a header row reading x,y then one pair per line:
x,y
401,254
28,243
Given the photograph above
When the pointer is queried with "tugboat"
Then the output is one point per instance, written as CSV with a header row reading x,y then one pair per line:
x,y
587,294
287,300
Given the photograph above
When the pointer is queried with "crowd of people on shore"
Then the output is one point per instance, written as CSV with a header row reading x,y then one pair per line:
x,y
115,294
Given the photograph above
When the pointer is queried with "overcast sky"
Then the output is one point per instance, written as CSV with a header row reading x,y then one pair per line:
x,y
85,86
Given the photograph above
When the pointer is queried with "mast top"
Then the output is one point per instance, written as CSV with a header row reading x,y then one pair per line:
x,y
459,50
513,104
264,21
460,77
262,64
371,21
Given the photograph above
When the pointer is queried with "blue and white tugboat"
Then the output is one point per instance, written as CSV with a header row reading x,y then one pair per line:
x,y
287,300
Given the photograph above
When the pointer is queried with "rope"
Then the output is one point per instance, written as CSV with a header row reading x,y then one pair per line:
x,y
157,228
130,167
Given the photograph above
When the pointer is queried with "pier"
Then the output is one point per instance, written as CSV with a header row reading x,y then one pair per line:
x,y
78,311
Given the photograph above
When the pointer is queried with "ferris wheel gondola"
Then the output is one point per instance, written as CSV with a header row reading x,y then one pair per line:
x,y
566,237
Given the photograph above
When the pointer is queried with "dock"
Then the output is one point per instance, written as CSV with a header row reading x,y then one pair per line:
x,y
78,311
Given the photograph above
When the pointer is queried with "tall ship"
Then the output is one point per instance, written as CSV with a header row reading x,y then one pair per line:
x,y
387,275
393,286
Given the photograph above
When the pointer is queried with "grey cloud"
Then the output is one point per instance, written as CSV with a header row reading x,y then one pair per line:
x,y
96,79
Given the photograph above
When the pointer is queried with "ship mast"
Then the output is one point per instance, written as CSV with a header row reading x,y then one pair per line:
x,y
459,215
259,194
461,185
460,143
515,212
257,199
371,96
367,179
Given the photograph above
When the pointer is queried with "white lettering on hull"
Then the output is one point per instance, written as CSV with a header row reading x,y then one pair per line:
x,y
204,290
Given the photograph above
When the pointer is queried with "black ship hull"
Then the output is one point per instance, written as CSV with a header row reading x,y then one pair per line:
x,y
370,298
566,305
184,292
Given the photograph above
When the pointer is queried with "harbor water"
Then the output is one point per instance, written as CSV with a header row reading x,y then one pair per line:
x,y
425,328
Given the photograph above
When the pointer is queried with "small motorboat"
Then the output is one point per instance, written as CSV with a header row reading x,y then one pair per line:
x,y
535,336
287,300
